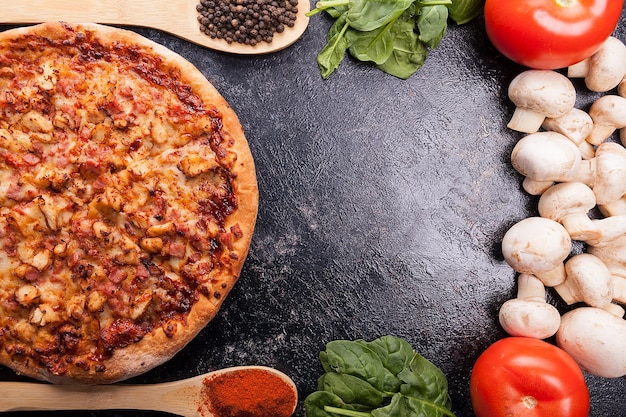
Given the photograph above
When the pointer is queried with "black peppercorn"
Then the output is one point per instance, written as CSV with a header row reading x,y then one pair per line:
x,y
246,21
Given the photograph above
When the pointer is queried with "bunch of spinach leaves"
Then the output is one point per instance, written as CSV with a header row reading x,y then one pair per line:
x,y
393,34
381,378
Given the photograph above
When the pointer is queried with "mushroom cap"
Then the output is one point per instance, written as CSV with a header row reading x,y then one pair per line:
x,y
607,66
535,245
610,181
590,279
529,318
575,125
609,109
545,156
595,339
543,91
566,198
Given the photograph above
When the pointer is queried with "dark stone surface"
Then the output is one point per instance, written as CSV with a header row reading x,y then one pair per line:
x,y
382,206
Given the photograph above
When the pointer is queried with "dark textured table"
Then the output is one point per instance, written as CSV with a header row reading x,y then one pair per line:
x,y
382,206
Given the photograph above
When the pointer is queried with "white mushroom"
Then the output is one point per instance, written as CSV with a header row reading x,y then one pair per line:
x,y
608,114
534,187
548,157
529,315
613,254
538,247
605,69
610,172
545,157
538,94
569,204
595,339
588,281
576,125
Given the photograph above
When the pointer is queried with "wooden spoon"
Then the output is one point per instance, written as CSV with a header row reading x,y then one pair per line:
x,y
182,397
177,17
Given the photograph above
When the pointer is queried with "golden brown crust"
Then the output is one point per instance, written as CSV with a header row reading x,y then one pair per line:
x,y
155,347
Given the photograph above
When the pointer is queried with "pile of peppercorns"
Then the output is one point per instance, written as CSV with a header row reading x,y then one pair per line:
x,y
247,22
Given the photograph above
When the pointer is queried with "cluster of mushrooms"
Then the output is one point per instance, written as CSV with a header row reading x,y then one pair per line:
x,y
574,161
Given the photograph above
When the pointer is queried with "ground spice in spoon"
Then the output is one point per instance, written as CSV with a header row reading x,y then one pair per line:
x,y
247,393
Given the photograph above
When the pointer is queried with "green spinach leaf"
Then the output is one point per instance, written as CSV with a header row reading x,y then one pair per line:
x,y
409,53
404,406
366,15
316,403
425,381
463,11
395,35
355,370
353,358
352,390
333,53
375,45
432,23
394,352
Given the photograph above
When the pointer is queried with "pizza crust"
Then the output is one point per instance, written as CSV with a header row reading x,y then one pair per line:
x,y
156,347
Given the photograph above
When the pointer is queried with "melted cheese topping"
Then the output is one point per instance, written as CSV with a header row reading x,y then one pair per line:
x,y
113,200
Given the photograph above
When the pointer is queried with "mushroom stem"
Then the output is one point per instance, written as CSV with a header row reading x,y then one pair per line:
x,y
525,120
552,277
609,228
533,187
529,315
583,171
530,287
613,208
579,69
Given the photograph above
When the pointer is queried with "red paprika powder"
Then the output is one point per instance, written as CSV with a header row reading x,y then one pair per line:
x,y
248,392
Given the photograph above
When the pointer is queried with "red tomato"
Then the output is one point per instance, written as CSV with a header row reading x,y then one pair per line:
x,y
550,34
524,377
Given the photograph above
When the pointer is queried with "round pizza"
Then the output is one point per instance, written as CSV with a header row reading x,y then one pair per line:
x,y
128,199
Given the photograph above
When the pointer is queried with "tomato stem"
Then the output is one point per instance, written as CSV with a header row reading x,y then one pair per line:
x,y
566,3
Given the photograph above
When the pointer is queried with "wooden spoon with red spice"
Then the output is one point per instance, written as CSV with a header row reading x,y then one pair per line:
x,y
256,390
177,17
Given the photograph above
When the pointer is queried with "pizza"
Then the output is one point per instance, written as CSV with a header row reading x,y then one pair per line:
x,y
128,198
